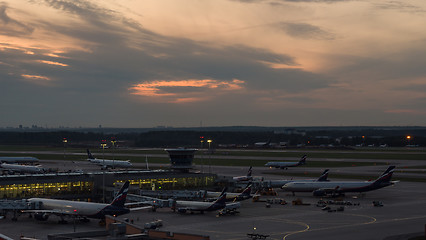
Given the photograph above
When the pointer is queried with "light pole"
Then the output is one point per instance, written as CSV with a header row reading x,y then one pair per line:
x,y
202,157
103,144
64,140
113,141
210,162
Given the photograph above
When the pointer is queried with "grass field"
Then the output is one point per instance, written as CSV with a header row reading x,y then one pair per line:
x,y
227,157
379,153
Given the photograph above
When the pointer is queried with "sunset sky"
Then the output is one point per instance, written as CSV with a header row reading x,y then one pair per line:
x,y
147,63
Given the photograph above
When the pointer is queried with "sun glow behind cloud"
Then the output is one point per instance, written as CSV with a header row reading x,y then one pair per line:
x,y
180,91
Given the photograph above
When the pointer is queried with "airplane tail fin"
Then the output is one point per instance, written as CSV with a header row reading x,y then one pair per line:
x,y
386,176
249,172
120,198
323,176
222,198
245,194
303,160
89,154
247,191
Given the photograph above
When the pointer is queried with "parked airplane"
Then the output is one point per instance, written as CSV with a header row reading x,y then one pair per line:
x,y
285,165
336,188
245,194
80,209
197,206
108,163
16,168
280,183
18,159
248,177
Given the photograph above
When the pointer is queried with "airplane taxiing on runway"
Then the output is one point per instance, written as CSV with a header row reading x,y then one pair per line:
x,y
341,187
80,209
285,165
108,163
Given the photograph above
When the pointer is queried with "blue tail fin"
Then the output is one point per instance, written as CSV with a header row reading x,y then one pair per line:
x,y
386,176
246,191
120,198
89,155
222,198
249,172
323,176
303,160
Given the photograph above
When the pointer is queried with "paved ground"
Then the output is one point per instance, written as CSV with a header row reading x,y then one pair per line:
x,y
404,212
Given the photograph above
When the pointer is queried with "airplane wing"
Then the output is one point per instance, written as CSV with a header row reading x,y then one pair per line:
x,y
140,208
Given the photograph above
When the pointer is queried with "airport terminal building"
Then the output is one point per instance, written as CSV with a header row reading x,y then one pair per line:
x,y
95,185
91,185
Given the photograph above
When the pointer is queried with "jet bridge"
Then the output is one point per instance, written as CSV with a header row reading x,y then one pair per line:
x,y
148,201
16,206
19,205
179,194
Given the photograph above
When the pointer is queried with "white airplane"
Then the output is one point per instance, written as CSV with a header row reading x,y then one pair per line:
x,y
336,188
108,163
280,183
262,144
286,165
18,159
197,206
248,177
16,168
80,209
245,194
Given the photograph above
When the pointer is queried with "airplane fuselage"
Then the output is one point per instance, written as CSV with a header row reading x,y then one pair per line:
x,y
21,168
87,209
339,186
111,163
282,164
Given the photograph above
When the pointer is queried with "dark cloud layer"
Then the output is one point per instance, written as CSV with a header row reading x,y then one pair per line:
x,y
91,83
122,54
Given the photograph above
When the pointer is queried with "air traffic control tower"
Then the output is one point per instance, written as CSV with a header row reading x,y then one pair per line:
x,y
181,158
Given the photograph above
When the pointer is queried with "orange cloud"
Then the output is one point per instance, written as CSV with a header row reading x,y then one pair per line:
x,y
53,63
190,90
37,77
